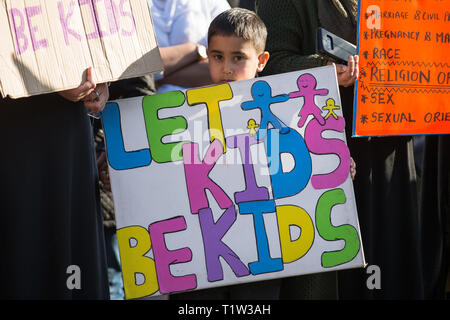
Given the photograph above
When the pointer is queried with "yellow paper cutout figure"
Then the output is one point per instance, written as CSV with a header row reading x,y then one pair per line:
x,y
330,107
251,124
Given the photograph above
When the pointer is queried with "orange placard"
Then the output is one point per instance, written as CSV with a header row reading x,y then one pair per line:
x,y
404,83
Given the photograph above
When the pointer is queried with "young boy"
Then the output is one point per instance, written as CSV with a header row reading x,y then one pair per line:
x,y
236,42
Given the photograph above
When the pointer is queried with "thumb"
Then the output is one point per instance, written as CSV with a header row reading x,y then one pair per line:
x,y
90,78
86,88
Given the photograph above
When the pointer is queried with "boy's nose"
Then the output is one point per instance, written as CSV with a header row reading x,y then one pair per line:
x,y
228,69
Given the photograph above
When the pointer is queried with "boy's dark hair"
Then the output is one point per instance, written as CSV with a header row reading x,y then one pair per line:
x,y
241,23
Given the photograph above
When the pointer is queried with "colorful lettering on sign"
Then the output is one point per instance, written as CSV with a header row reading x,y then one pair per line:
x,y
134,242
65,20
118,158
211,96
197,176
286,184
19,26
329,232
164,258
213,232
117,15
158,128
289,216
265,262
252,192
319,145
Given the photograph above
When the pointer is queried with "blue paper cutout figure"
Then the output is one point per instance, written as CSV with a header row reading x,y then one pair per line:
x,y
262,99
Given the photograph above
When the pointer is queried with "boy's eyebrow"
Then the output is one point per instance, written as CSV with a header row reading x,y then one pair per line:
x,y
233,52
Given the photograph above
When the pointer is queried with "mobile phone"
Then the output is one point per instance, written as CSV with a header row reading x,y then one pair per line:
x,y
334,47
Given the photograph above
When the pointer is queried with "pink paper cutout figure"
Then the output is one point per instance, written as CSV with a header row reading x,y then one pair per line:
x,y
307,89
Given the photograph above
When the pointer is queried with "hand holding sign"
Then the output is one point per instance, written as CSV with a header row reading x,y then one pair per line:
x,y
82,91
347,74
94,96
96,100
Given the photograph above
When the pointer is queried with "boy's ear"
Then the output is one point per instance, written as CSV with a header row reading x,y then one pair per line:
x,y
262,61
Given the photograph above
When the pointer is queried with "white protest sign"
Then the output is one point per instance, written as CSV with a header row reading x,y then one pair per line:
x,y
232,183
48,45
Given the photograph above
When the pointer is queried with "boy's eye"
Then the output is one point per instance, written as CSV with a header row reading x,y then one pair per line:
x,y
217,57
238,58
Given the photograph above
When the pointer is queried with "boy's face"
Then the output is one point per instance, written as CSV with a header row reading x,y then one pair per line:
x,y
232,59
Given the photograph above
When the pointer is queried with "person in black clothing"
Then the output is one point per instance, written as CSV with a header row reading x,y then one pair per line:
x,y
51,230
